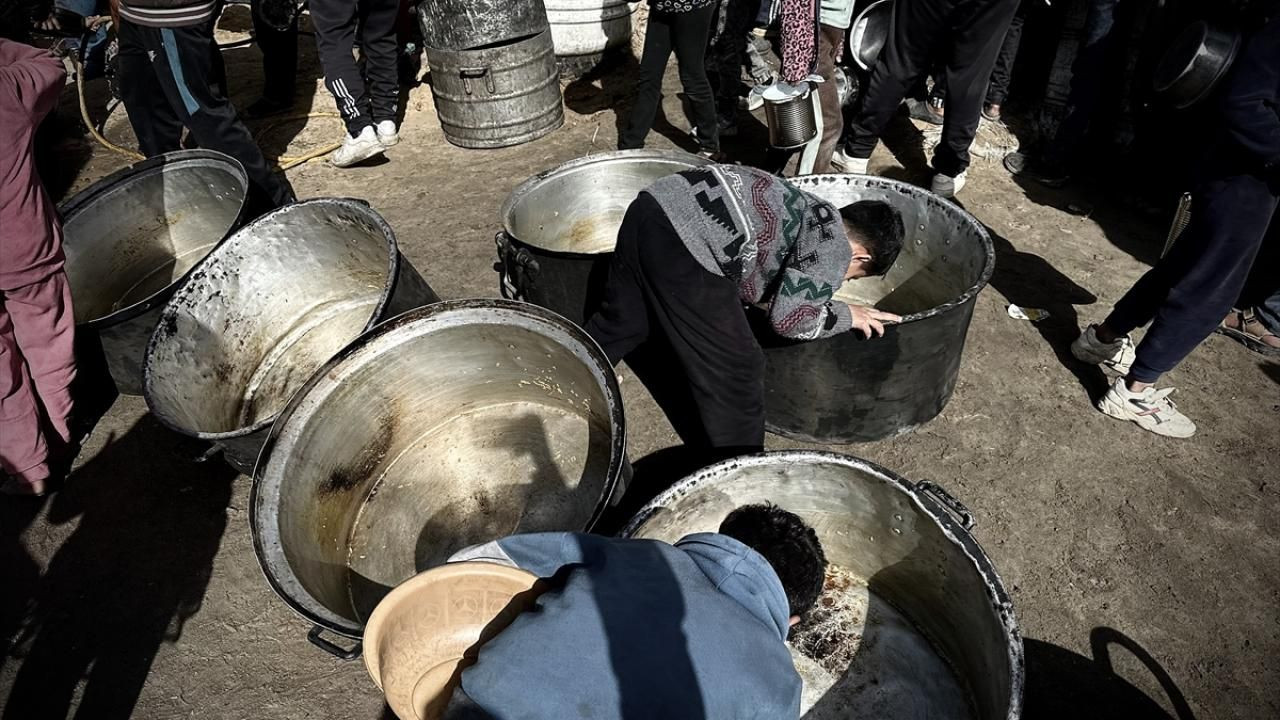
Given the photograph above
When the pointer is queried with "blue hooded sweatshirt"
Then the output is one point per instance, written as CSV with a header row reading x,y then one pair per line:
x,y
639,629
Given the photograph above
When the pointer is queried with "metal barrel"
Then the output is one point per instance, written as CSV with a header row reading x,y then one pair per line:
x,y
848,388
131,239
497,96
449,425
561,225
470,24
265,309
909,543
582,30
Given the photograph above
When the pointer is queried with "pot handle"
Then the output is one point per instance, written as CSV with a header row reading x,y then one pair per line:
x,y
335,650
475,73
948,501
516,268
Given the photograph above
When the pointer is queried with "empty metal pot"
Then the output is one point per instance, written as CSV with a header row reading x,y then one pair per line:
x,y
561,226
447,426
909,543
792,118
131,239
848,388
264,310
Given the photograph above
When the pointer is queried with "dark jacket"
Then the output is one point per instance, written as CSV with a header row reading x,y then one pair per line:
x,y
639,629
1250,108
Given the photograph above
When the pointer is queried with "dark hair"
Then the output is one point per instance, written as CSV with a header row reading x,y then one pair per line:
x,y
790,546
879,228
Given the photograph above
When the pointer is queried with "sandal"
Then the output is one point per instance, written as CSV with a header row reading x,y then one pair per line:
x,y
1243,326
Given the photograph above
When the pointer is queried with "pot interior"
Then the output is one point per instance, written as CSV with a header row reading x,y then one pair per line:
x,y
136,237
946,253
433,437
905,628
273,303
578,207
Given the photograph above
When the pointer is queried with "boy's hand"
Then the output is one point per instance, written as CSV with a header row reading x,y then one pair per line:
x,y
871,321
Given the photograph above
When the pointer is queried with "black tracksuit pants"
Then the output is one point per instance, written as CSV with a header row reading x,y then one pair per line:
x,y
973,32
364,98
687,33
656,286
168,81
279,57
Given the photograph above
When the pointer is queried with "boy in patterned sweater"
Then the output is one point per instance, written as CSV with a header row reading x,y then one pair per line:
x,y
696,246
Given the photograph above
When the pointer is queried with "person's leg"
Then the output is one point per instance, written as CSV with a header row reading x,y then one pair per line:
x,y
378,45
335,24
44,327
1087,82
689,34
622,322
183,66
154,123
1268,313
977,32
730,50
914,30
1002,73
24,454
830,43
279,61
653,64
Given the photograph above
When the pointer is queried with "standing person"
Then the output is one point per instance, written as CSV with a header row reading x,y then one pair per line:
x,y
834,18
727,55
685,26
275,30
37,326
366,100
169,64
972,32
933,109
695,246
1187,293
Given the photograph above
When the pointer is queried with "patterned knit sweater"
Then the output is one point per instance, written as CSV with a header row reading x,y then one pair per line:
x,y
780,245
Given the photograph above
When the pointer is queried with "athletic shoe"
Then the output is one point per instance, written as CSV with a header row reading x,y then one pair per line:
x,y
1118,355
946,185
923,111
388,134
357,149
755,98
846,163
1150,408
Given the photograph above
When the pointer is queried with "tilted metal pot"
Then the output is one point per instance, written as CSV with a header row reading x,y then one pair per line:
x,y
561,225
132,238
909,543
450,425
263,311
848,388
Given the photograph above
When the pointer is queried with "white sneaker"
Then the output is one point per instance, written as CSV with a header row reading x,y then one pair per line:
x,y
388,134
1151,409
848,164
755,98
358,148
1118,355
946,185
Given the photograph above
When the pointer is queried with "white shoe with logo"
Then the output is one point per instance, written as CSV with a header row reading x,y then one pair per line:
x,y
1118,355
1150,409
846,163
357,149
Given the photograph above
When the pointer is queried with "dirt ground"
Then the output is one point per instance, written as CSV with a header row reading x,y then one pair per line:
x,y
1143,569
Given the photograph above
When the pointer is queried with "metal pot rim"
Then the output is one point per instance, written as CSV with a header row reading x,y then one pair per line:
x,y
524,189
951,529
171,308
426,313
906,188
77,203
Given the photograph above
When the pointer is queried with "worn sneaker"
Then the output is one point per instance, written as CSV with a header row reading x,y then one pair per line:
x,y
755,98
1150,408
1118,355
923,111
388,133
358,148
946,185
847,163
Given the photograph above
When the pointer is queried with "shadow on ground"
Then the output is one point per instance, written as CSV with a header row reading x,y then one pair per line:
x,y
148,524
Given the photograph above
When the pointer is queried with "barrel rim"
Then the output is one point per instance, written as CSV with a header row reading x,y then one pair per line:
x,y
534,182
906,188
997,595
613,394
171,308
73,206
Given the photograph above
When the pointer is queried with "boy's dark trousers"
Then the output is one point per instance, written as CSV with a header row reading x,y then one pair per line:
x,y
364,97
656,286
168,81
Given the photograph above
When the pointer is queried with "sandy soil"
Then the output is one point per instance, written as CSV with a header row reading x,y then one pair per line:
x,y
1143,569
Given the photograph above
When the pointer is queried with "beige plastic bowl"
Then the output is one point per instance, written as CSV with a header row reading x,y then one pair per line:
x,y
427,630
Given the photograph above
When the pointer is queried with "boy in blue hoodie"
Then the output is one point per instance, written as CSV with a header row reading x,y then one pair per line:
x,y
644,629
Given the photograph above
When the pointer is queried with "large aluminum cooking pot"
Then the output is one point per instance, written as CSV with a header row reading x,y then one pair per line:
x,y
265,309
450,425
132,238
909,545
850,389
561,225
